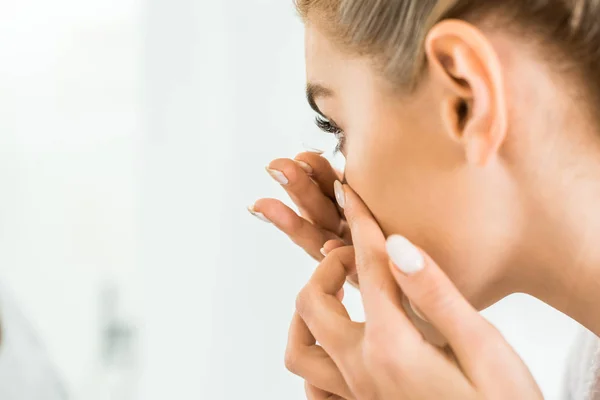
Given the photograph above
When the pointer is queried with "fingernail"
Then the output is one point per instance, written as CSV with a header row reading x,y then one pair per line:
x,y
258,215
323,252
417,312
278,176
307,168
405,256
312,149
340,196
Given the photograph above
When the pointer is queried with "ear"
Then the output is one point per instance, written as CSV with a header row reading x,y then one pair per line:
x,y
464,62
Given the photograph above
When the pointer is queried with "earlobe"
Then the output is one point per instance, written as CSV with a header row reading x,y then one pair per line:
x,y
464,62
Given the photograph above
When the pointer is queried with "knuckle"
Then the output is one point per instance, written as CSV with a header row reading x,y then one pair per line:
x,y
303,300
293,223
292,359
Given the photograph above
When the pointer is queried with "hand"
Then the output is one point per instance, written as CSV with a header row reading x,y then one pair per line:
x,y
386,357
309,182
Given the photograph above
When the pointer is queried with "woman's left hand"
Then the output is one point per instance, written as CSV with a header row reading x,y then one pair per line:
x,y
386,357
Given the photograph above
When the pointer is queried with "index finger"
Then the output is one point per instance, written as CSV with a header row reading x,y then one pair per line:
x,y
323,172
380,292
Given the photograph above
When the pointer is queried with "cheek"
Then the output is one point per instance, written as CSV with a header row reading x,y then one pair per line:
x,y
388,170
409,178
399,167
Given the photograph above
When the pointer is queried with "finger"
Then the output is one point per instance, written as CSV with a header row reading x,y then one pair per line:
x,y
331,245
322,312
334,244
328,247
306,359
324,175
330,275
380,293
314,393
299,230
435,297
352,279
322,172
313,204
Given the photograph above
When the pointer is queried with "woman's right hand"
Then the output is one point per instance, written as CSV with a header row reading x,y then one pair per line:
x,y
308,180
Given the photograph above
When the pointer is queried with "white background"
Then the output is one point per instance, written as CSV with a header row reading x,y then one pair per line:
x,y
133,134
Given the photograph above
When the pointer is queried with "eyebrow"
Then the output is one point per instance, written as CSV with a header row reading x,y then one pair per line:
x,y
313,91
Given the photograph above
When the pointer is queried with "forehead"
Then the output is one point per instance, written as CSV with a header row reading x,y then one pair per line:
x,y
325,64
340,71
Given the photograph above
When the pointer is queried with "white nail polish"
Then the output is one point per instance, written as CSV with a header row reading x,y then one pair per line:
x,y
323,252
340,196
278,176
312,149
307,168
258,215
405,256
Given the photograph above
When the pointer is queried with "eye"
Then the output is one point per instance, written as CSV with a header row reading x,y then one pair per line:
x,y
329,127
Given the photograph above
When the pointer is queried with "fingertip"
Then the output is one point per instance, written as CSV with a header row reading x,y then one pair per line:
x,y
251,209
331,245
289,168
261,205
404,255
276,212
320,165
350,197
351,203
340,194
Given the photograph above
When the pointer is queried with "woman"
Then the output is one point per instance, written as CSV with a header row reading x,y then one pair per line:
x,y
471,129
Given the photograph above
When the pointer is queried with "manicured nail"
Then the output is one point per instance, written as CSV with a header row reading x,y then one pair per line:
x,y
323,252
417,312
307,168
278,176
312,149
340,196
259,215
405,256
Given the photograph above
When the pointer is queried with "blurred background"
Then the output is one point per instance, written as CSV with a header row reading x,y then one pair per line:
x,y
133,134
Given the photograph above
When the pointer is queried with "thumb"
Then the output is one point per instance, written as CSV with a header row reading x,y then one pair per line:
x,y
435,298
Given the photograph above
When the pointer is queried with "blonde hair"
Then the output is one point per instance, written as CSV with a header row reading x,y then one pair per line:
x,y
567,32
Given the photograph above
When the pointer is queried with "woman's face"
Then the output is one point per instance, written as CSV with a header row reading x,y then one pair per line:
x,y
410,172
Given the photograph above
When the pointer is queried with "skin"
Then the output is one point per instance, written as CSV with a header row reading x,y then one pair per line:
x,y
386,357
502,199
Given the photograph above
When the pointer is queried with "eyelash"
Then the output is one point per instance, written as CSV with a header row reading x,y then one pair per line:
x,y
327,127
